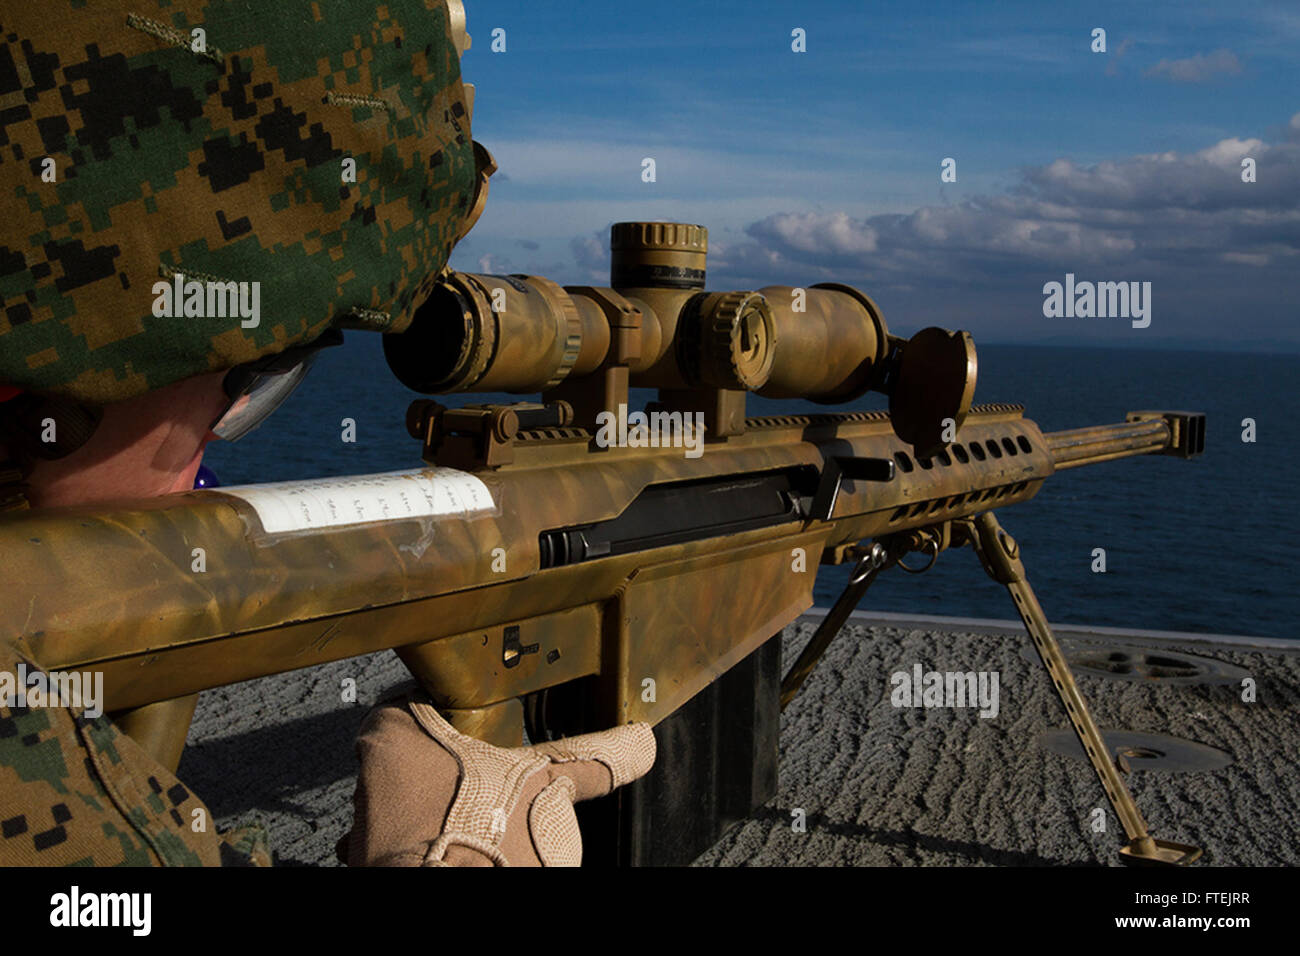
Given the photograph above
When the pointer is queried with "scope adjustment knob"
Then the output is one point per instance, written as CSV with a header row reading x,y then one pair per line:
x,y
737,340
657,255
676,236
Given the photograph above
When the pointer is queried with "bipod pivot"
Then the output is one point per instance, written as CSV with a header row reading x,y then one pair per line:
x,y
883,553
871,561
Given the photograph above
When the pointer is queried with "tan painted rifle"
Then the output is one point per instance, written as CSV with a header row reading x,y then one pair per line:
x,y
564,565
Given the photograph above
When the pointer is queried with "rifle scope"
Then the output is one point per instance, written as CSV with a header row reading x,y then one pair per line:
x,y
525,334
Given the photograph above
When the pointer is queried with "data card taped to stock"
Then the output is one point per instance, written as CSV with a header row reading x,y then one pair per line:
x,y
289,506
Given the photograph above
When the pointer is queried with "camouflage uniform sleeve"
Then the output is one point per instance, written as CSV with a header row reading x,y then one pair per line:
x,y
75,791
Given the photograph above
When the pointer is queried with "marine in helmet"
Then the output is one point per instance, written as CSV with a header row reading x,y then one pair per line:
x,y
197,198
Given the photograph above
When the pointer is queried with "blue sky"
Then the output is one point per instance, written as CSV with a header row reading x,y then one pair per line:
x,y
806,167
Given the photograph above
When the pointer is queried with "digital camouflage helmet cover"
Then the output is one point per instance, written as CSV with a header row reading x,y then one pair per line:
x,y
210,140
216,140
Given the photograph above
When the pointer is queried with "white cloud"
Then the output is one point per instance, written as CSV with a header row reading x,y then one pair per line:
x,y
591,253
1198,68
811,232
1214,245
490,264
1229,152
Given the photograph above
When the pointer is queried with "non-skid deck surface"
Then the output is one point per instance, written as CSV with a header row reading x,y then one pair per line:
x,y
877,785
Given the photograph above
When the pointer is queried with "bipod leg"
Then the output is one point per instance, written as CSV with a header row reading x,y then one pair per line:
x,y
1000,555
868,567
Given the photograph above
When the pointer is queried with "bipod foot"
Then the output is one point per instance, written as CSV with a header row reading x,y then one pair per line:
x,y
1148,851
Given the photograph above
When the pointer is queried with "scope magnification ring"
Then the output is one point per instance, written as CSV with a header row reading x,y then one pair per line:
x,y
481,336
571,346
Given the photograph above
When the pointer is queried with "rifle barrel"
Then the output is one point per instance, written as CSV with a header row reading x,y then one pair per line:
x,y
1098,443
1180,434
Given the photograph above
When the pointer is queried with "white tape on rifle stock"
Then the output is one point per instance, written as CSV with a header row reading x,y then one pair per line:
x,y
289,506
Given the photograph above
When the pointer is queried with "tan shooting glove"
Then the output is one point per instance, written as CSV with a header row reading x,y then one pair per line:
x,y
428,795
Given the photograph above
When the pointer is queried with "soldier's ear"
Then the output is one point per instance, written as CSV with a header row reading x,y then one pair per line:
x,y
46,427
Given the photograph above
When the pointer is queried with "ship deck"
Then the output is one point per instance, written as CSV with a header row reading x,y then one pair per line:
x,y
875,784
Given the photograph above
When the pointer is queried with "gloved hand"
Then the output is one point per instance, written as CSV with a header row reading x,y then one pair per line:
x,y
428,795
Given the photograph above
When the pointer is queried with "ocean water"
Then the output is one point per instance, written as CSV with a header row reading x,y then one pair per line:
x,y
1208,545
